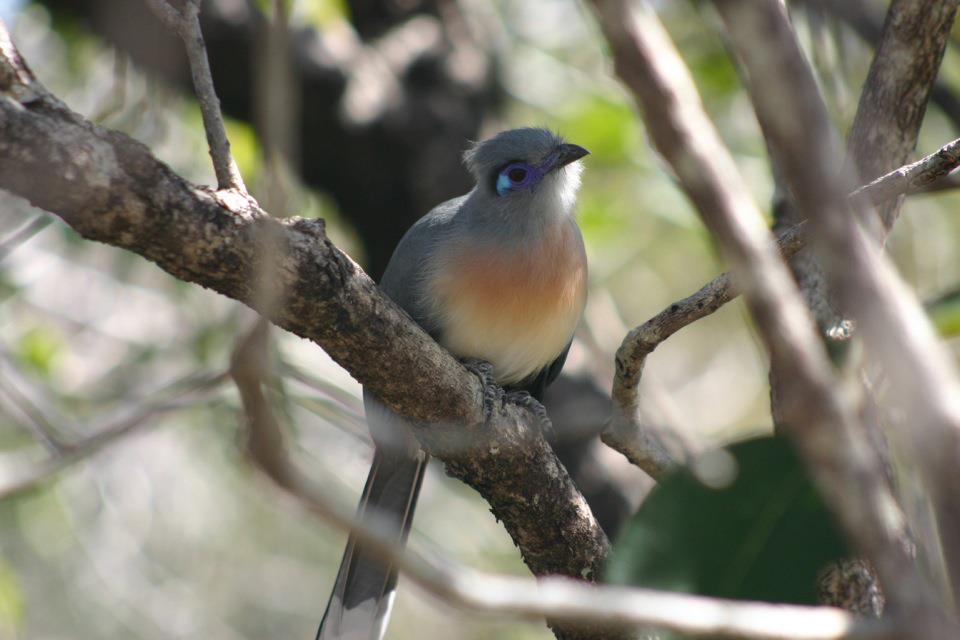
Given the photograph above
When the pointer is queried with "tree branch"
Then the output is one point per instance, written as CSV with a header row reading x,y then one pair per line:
x,y
917,177
110,188
626,433
867,20
440,82
567,603
186,23
924,383
822,424
898,87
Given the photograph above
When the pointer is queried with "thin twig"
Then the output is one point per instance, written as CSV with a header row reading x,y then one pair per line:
x,y
556,598
187,25
912,178
15,482
37,423
626,433
24,233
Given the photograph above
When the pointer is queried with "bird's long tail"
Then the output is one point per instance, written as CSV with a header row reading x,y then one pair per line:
x,y
359,607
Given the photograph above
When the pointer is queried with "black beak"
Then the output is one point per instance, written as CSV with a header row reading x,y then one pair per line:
x,y
567,153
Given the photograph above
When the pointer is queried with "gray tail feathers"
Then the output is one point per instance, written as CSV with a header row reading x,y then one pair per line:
x,y
363,593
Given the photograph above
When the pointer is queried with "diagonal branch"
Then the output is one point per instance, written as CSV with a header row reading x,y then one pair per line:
x,y
16,481
867,20
917,177
110,188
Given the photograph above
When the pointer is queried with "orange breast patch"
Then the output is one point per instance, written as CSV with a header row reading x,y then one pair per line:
x,y
516,308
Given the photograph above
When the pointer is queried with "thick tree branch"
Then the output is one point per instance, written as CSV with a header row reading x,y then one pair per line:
x,y
110,188
427,72
924,383
821,423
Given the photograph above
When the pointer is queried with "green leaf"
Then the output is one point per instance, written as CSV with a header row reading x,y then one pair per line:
x,y
764,535
11,601
945,314
38,349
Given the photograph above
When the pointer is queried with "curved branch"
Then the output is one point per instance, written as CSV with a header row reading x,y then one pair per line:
x,y
625,433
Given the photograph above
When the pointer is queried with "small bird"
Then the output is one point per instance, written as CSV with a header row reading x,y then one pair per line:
x,y
495,276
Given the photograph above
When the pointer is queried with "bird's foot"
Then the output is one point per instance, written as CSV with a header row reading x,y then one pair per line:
x,y
525,400
493,394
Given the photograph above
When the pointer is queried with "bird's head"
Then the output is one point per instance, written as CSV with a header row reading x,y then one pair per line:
x,y
530,168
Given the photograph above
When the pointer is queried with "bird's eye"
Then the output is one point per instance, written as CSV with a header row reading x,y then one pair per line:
x,y
517,174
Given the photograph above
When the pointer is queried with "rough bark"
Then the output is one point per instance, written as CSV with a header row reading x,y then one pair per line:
x,y
110,188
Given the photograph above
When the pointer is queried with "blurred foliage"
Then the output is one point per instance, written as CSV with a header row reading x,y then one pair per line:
x,y
168,533
745,523
37,349
11,605
945,313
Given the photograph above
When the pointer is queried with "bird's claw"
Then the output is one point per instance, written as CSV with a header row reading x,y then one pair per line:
x,y
526,401
495,397
493,394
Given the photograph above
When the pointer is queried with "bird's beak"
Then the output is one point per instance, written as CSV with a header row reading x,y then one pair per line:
x,y
564,155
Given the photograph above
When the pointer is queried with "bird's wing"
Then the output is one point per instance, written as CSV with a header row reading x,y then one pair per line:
x,y
406,274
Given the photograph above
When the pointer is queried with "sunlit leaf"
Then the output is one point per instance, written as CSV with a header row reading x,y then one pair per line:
x,y
38,348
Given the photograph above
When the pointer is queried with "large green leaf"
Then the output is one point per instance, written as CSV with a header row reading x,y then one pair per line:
x,y
764,535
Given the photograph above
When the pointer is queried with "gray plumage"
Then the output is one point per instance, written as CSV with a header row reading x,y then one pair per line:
x,y
499,275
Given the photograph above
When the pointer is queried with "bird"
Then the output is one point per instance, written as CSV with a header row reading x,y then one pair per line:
x,y
498,277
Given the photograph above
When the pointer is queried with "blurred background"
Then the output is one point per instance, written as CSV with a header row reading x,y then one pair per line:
x,y
357,113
